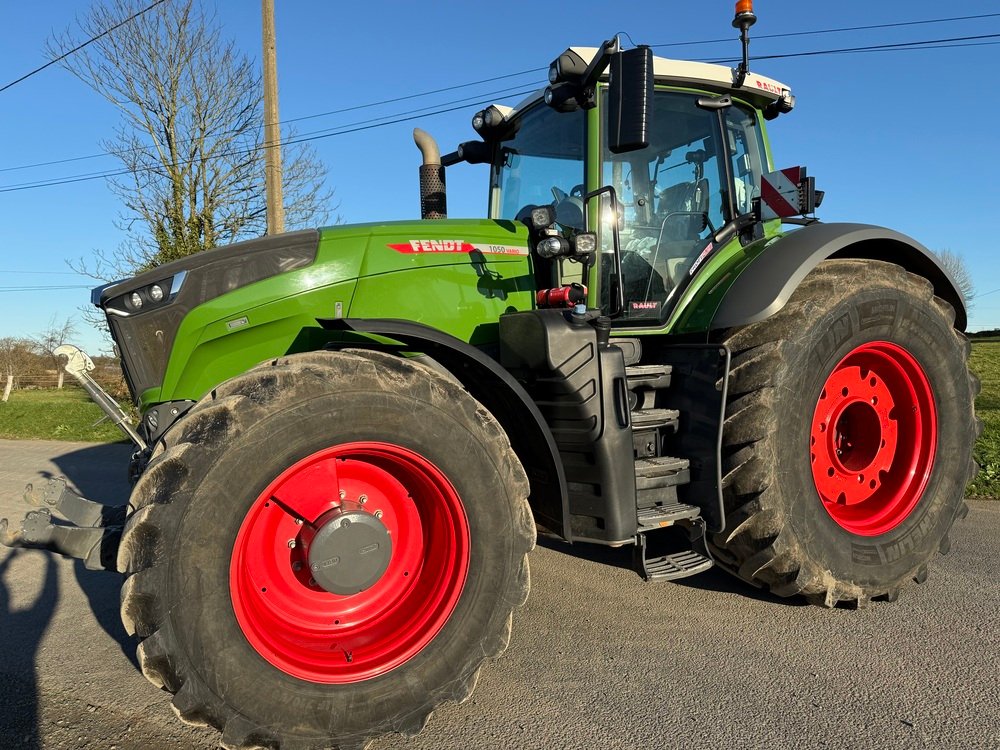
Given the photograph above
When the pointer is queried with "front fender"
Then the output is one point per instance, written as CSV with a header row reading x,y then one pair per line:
x,y
766,284
496,390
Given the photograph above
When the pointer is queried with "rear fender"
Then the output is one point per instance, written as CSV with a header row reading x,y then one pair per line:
x,y
765,285
496,390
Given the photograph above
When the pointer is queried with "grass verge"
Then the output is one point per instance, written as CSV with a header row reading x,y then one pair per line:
x,y
985,362
66,414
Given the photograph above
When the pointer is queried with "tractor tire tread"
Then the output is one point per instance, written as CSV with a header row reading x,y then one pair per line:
x,y
213,421
754,545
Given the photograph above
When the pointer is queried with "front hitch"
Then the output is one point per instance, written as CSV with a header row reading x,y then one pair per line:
x,y
92,535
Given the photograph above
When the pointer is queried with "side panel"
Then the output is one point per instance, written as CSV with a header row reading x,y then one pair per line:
x,y
465,300
580,387
229,335
765,285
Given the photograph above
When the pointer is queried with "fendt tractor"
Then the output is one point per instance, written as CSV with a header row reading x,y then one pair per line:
x,y
349,436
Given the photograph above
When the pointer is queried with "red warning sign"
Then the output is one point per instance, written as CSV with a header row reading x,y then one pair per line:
x,y
779,193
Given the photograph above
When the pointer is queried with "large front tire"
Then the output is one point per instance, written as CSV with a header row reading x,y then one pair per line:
x,y
390,468
847,444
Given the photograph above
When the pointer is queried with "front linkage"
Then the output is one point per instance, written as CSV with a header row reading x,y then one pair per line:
x,y
96,529
93,538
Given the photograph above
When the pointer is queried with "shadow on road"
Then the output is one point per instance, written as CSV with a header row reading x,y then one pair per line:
x,y
21,634
100,473
714,579
618,557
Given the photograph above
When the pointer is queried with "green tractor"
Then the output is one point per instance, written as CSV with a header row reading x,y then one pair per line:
x,y
348,435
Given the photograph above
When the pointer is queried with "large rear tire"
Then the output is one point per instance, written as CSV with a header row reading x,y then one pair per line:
x,y
847,444
324,550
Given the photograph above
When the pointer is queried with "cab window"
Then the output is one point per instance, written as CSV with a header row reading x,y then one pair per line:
x,y
540,160
673,195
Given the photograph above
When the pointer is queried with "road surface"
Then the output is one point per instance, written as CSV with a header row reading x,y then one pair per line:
x,y
598,659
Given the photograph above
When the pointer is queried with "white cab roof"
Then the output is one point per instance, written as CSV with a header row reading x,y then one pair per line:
x,y
759,90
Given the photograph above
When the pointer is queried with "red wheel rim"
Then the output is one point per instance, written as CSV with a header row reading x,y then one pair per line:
x,y
313,634
873,438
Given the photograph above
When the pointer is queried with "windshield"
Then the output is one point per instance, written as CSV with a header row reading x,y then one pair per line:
x,y
674,194
541,160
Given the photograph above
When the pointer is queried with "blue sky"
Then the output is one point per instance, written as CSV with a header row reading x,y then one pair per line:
x,y
894,138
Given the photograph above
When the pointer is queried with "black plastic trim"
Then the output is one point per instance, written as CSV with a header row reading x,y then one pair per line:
x,y
765,286
500,393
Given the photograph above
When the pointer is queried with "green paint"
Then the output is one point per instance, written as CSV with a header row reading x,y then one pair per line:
x,y
459,292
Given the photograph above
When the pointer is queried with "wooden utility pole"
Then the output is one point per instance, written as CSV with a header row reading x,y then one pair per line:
x,y
272,131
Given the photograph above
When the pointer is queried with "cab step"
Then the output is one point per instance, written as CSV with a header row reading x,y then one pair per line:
x,y
668,567
648,376
644,382
661,471
661,516
657,479
651,419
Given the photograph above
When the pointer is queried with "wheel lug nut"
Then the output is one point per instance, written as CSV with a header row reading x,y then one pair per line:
x,y
298,521
378,514
291,544
363,499
343,494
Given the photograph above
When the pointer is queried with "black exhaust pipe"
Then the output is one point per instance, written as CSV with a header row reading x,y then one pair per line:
x,y
433,194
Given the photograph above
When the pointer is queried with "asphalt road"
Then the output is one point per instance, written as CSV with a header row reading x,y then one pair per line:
x,y
598,659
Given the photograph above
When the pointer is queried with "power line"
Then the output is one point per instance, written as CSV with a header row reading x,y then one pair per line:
x,y
928,44
317,135
81,46
895,47
354,108
536,70
834,31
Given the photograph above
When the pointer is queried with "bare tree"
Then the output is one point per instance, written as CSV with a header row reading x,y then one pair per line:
x,y
51,339
191,137
954,264
17,359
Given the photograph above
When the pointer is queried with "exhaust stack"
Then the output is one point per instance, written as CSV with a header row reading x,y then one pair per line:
x,y
433,194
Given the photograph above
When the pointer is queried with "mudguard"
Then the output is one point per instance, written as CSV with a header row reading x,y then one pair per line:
x,y
495,389
766,284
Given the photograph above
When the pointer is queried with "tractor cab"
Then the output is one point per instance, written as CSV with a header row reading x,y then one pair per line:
x,y
665,201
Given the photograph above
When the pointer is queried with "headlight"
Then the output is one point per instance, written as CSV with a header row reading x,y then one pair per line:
x,y
552,247
146,312
147,297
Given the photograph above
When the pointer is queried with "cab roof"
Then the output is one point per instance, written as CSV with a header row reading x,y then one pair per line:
x,y
757,89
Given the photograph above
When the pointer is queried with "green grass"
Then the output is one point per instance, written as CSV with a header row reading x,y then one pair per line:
x,y
985,362
52,414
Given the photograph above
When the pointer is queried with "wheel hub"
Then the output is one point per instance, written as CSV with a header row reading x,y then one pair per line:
x,y
873,438
350,552
854,435
350,562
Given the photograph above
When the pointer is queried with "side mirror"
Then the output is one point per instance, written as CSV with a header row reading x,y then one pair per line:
x,y
630,100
